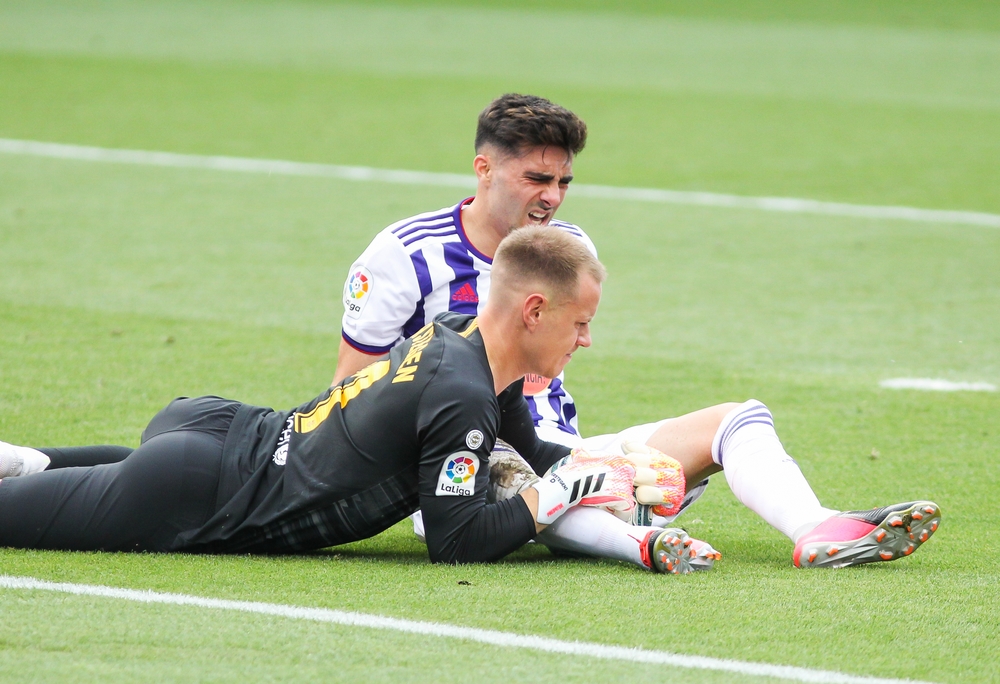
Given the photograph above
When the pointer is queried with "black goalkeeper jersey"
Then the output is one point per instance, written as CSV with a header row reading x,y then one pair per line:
x,y
411,431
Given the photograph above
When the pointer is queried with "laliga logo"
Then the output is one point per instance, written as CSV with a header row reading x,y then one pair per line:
x,y
461,469
357,287
458,475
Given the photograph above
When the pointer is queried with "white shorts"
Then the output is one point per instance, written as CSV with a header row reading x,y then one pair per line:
x,y
610,443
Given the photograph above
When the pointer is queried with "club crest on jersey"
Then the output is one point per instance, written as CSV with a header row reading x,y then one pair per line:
x,y
357,291
458,475
474,439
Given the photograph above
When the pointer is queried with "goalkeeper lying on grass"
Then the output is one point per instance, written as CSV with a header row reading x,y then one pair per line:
x,y
416,429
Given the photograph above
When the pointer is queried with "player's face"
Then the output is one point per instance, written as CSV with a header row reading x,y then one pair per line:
x,y
527,189
566,328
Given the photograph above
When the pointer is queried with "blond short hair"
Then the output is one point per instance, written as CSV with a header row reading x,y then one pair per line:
x,y
545,255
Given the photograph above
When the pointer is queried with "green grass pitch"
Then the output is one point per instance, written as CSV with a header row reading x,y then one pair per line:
x,y
124,286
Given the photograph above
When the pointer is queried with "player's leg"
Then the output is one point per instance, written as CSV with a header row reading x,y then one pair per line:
x,y
83,456
758,470
165,487
180,414
21,460
740,440
16,461
688,439
595,532
768,481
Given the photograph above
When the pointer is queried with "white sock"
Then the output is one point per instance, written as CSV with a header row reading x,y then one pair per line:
x,y
595,532
418,525
19,460
763,477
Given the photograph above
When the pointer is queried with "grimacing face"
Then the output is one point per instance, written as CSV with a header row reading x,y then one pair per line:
x,y
528,189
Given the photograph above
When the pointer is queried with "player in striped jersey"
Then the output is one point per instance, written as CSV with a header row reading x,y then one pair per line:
x,y
440,261
420,267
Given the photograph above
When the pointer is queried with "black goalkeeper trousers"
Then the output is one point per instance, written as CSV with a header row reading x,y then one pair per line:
x,y
168,485
82,456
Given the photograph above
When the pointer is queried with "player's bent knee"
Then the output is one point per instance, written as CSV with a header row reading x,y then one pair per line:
x,y
719,412
724,408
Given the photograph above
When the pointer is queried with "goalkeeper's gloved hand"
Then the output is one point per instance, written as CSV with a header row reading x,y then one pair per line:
x,y
659,479
642,516
588,480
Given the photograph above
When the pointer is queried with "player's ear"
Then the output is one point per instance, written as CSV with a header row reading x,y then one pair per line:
x,y
482,166
533,309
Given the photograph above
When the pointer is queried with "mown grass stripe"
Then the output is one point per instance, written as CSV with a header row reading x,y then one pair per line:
x,y
937,385
369,174
484,636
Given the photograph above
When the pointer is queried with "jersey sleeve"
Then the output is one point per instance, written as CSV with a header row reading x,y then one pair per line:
x,y
380,294
457,430
517,428
577,232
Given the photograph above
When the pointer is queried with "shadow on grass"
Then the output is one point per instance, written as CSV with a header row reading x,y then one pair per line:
x,y
395,551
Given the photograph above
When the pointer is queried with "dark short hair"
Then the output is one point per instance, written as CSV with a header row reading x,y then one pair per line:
x,y
546,255
514,123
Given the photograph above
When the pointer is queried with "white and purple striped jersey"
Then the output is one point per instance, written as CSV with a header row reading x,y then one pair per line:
x,y
425,265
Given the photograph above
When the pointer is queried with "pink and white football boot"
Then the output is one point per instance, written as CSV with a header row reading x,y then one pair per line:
x,y
855,537
672,551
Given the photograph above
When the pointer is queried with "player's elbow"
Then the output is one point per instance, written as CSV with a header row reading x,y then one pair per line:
x,y
464,554
495,531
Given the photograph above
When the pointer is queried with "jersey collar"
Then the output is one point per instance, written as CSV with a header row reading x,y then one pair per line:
x,y
461,230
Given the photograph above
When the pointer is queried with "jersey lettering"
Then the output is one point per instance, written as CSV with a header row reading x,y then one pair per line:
x,y
408,368
280,454
365,378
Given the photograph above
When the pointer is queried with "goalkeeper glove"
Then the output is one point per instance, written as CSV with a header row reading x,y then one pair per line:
x,y
587,480
642,516
659,479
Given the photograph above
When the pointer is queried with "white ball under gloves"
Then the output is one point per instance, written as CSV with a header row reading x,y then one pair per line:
x,y
510,474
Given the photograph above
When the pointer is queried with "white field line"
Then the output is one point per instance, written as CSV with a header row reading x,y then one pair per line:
x,y
483,636
468,182
932,385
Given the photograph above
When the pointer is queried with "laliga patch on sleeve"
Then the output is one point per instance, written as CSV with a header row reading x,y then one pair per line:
x,y
458,475
357,291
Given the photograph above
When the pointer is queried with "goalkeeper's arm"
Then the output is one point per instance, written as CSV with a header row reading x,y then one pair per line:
x,y
580,478
584,479
518,430
530,496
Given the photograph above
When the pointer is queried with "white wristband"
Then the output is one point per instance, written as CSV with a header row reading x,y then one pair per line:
x,y
553,498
